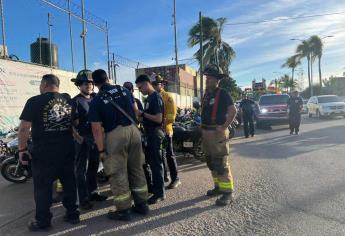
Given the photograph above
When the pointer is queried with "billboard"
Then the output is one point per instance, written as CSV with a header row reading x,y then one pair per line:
x,y
18,82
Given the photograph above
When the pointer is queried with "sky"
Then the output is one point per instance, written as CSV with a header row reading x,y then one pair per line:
x,y
143,31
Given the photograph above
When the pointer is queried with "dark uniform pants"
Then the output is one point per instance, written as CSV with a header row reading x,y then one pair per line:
x,y
87,162
294,121
124,166
49,163
169,159
153,157
248,124
215,145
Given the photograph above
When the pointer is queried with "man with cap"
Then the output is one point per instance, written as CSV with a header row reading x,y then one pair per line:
x,y
295,104
169,116
87,160
113,119
218,112
152,117
49,116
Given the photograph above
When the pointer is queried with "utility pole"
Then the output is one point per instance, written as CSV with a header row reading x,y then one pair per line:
x,y
3,28
83,34
114,67
201,58
177,73
108,50
70,32
40,43
50,40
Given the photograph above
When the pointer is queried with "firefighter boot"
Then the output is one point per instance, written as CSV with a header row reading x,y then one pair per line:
x,y
224,200
213,192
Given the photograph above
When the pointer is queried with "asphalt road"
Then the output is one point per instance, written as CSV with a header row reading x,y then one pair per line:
x,y
285,185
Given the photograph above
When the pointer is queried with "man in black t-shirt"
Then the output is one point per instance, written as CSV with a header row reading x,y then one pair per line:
x,y
128,85
295,104
87,158
152,118
49,117
247,112
218,112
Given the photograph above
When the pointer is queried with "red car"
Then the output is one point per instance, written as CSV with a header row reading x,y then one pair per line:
x,y
272,110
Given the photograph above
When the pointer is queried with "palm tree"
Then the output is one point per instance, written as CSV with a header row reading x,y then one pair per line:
x,y
215,50
304,50
287,83
317,48
292,62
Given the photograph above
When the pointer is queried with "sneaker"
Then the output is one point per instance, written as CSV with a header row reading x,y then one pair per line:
x,y
296,133
224,200
34,226
291,132
142,209
85,205
96,197
155,199
252,135
174,184
71,220
166,179
124,215
213,192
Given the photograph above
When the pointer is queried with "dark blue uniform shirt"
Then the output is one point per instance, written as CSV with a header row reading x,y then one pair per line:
x,y
153,105
101,110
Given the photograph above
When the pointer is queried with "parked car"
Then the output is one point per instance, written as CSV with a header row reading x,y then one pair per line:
x,y
272,109
305,107
326,106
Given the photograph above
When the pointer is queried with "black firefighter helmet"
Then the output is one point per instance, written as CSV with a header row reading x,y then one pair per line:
x,y
215,71
83,76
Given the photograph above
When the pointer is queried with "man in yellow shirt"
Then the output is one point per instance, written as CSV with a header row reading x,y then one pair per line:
x,y
168,120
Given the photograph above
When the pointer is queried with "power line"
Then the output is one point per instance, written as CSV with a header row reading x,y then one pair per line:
x,y
128,62
285,19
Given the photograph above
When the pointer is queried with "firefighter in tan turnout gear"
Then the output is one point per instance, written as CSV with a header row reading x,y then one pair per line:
x,y
218,112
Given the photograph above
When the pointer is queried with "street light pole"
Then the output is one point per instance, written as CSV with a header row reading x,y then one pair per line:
x,y
177,72
50,39
83,34
201,58
108,50
70,32
3,28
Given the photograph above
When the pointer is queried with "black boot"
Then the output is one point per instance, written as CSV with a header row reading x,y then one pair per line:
x,y
142,209
224,200
124,215
34,226
213,192
96,197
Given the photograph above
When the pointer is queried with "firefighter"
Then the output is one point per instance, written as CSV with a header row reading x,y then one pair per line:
x,y
168,120
218,112
295,104
113,120
247,112
87,160
49,116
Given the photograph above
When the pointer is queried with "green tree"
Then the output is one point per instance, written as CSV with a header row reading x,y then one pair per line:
x,y
304,51
292,63
287,83
215,50
317,50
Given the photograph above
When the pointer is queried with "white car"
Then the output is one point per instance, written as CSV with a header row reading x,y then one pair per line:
x,y
326,105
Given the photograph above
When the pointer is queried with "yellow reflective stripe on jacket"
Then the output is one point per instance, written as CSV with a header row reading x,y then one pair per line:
x,y
226,185
140,190
59,187
122,197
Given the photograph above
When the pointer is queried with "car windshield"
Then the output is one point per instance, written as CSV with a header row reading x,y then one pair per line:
x,y
273,100
329,99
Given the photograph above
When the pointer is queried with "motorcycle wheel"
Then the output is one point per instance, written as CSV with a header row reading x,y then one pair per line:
x,y
198,153
232,132
8,169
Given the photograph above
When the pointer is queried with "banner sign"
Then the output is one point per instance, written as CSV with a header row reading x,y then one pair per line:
x,y
18,82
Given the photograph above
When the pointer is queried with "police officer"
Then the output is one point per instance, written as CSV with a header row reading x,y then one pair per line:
x,y
112,114
152,118
247,112
218,112
168,120
49,117
295,104
87,160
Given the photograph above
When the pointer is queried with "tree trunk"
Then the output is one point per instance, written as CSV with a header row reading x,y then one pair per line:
x,y
311,77
309,81
293,73
320,76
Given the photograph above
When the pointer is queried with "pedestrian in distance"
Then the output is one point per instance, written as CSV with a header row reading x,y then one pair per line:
x,y
295,104
87,158
247,111
169,116
49,115
218,112
152,119
113,119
